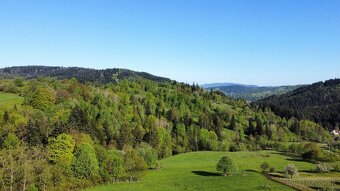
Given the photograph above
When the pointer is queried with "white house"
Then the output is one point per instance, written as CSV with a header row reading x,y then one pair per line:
x,y
335,132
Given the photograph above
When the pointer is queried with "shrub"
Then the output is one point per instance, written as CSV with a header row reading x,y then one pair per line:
x,y
149,154
312,152
226,166
112,166
291,171
322,168
134,163
336,167
272,169
264,167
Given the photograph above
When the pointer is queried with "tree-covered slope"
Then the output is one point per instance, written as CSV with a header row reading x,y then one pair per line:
x,y
319,102
81,74
65,135
253,93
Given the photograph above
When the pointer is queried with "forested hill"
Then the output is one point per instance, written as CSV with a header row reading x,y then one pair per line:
x,y
253,93
81,74
66,135
319,102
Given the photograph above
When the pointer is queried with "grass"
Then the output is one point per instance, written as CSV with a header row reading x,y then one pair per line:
x,y
196,171
9,100
316,180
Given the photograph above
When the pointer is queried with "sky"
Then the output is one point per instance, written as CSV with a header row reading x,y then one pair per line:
x,y
262,42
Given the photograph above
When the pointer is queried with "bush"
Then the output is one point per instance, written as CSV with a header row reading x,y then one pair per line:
x,y
111,166
264,167
291,171
134,163
272,169
226,166
336,167
322,168
312,152
149,154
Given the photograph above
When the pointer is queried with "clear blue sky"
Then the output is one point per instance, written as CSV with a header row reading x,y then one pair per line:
x,y
263,42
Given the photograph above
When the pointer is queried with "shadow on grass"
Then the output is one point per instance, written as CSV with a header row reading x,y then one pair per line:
x,y
277,175
250,170
204,173
296,159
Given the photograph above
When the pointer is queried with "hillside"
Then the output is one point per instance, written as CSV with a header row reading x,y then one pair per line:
x,y
67,135
252,92
319,102
216,85
81,74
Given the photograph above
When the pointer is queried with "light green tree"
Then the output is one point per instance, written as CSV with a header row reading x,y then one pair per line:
x,y
85,164
226,166
111,165
148,153
11,141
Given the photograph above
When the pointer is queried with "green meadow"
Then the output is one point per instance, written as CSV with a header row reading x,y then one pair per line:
x,y
196,171
9,100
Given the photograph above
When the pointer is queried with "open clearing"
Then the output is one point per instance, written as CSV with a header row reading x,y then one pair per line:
x,y
9,100
196,171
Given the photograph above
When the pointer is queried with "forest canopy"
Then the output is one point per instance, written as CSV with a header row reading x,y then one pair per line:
x,y
66,134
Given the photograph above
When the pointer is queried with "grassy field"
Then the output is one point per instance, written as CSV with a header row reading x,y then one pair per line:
x,y
196,171
9,100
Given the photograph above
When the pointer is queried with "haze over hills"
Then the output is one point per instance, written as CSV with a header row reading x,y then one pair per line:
x,y
319,102
249,92
215,85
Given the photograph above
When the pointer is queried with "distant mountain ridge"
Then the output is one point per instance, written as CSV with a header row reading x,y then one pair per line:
x,y
81,74
249,92
319,102
214,85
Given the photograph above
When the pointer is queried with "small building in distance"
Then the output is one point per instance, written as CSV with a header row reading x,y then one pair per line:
x,y
336,132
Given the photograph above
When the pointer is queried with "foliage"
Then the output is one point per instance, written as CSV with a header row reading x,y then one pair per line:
x,y
319,102
85,164
82,74
149,154
11,141
115,127
207,140
312,152
253,93
322,168
264,167
226,166
134,163
62,145
197,171
336,167
40,98
111,164
291,170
